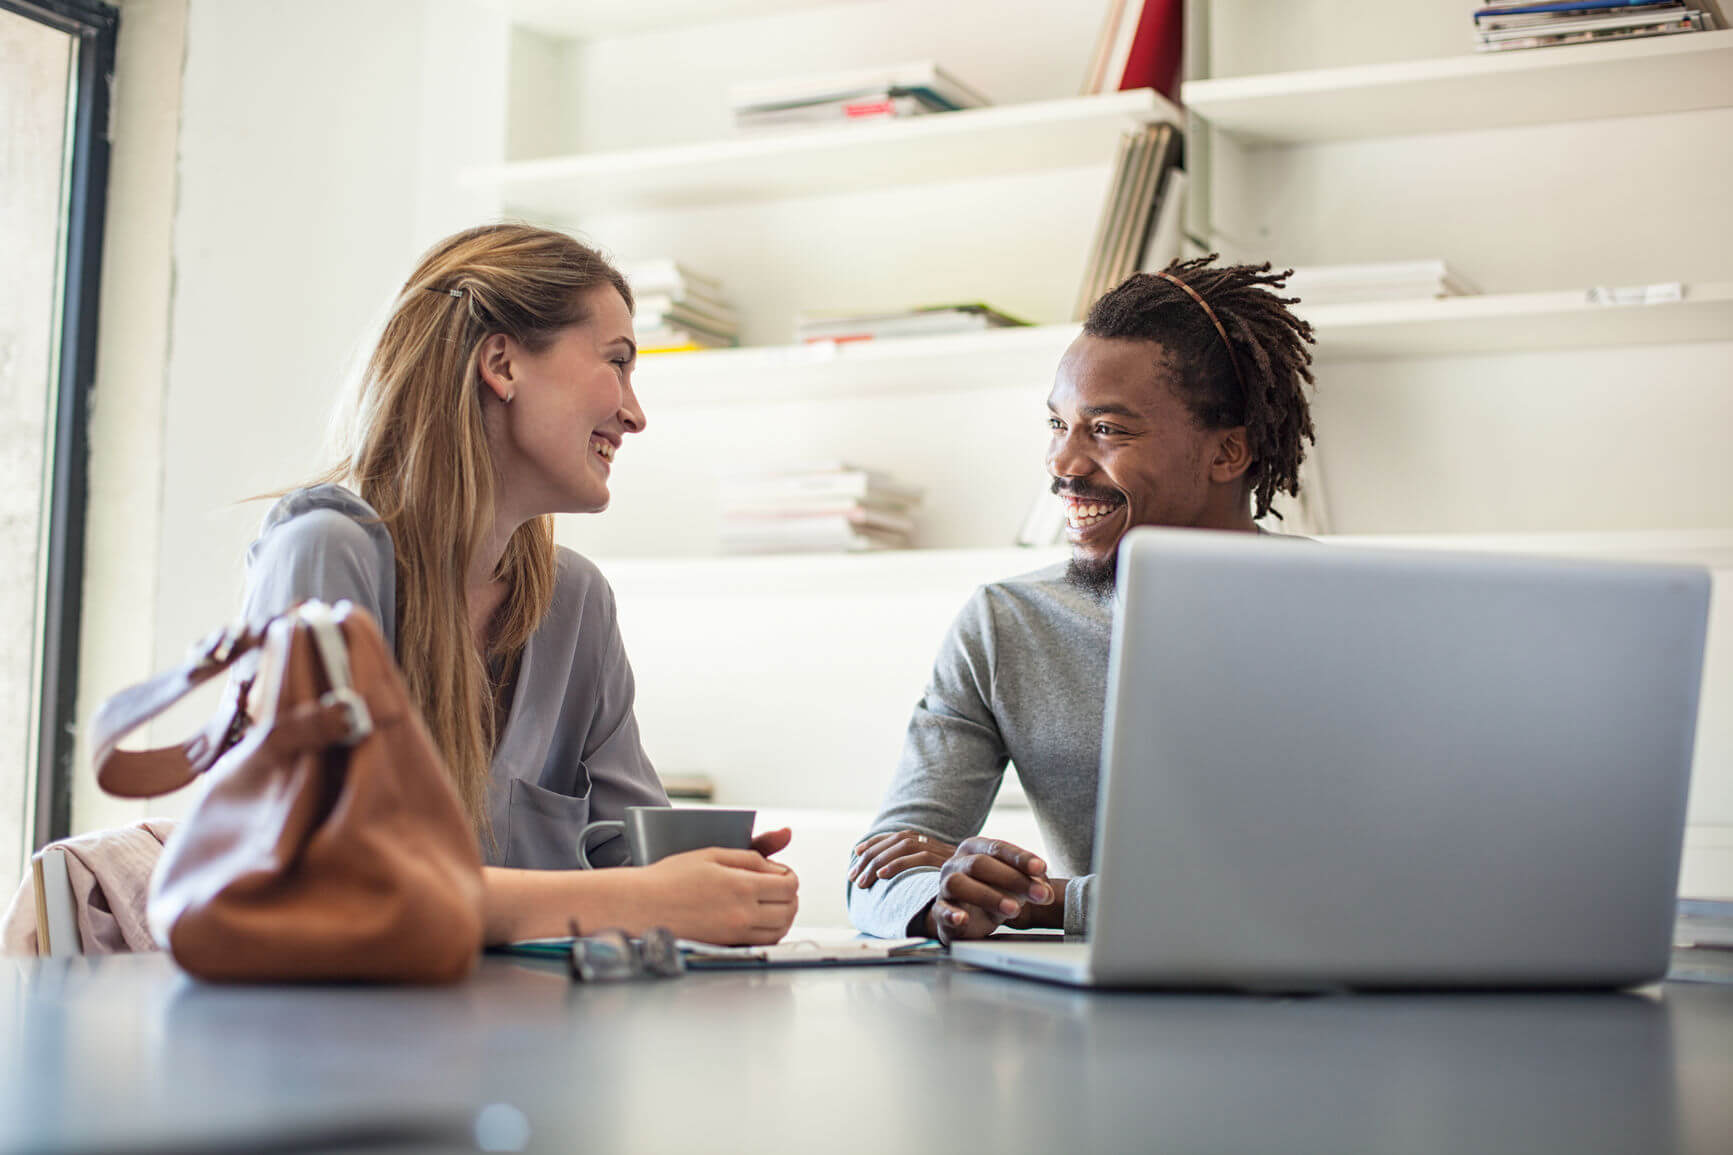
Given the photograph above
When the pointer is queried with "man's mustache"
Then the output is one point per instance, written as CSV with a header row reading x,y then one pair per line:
x,y
1083,493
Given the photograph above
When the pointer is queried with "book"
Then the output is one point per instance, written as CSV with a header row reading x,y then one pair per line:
x,y
1095,80
931,320
1140,45
685,323
923,80
1546,7
837,484
1590,24
1157,49
1704,922
1132,205
794,523
1594,37
717,313
886,105
666,276
1701,965
1382,281
1167,231
669,336
691,787
1527,19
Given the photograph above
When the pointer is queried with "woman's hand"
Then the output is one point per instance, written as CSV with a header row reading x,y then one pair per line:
x,y
888,855
731,897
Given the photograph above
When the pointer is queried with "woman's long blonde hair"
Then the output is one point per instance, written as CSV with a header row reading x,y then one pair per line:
x,y
418,454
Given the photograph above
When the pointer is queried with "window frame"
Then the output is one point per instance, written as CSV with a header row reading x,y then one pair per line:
x,y
97,28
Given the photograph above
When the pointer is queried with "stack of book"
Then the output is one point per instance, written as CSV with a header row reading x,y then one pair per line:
x,y
1502,25
1139,46
1140,220
832,509
679,311
837,97
930,321
1386,281
1703,941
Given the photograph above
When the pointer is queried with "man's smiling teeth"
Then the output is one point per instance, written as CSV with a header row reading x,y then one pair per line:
x,y
603,447
1083,514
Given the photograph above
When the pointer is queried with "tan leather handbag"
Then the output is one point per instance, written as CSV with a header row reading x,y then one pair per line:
x,y
328,843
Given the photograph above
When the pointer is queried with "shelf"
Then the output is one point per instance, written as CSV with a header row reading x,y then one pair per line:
x,y
874,574
826,371
1657,74
1712,548
1516,322
841,574
949,146
1026,357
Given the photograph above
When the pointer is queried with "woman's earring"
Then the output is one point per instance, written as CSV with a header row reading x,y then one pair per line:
x,y
510,395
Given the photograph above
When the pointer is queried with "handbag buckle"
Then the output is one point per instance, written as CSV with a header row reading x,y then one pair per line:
x,y
355,711
214,651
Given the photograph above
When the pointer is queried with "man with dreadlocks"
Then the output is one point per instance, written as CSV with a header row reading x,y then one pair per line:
x,y
1181,404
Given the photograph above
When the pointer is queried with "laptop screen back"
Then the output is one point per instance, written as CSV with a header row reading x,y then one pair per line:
x,y
1332,764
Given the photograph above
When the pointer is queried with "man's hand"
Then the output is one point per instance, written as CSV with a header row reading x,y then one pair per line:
x,y
888,855
985,883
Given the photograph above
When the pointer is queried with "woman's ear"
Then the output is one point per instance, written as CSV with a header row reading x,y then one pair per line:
x,y
495,361
1233,456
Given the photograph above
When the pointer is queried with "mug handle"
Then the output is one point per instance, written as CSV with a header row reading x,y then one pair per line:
x,y
584,839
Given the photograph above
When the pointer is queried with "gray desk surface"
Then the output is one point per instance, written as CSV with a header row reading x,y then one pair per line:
x,y
125,1053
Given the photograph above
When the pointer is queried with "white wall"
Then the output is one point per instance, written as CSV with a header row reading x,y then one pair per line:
x,y
315,156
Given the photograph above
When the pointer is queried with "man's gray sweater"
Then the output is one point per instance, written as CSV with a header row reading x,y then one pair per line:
x,y
1021,678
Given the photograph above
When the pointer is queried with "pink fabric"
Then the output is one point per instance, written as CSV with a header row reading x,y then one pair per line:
x,y
110,875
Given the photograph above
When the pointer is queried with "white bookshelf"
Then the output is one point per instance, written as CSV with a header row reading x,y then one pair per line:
x,y
1562,169
1516,322
869,575
971,144
865,575
1025,358
1662,74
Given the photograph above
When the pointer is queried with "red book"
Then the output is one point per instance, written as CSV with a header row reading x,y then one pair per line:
x,y
1157,49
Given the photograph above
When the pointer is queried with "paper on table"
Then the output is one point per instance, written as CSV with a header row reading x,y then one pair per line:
x,y
807,951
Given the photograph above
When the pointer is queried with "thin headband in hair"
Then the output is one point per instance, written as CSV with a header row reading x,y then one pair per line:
x,y
1214,320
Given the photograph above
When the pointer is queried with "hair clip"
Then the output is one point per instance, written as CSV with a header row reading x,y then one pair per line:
x,y
458,293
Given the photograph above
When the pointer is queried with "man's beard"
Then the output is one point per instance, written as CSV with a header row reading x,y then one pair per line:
x,y
1095,576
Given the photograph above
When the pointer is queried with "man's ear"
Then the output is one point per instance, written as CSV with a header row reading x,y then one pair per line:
x,y
494,360
1233,456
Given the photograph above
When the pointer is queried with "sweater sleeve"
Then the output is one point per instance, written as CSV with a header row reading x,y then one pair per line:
x,y
952,764
308,550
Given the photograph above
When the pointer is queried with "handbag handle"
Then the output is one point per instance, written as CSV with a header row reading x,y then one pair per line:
x,y
146,773
334,654
165,769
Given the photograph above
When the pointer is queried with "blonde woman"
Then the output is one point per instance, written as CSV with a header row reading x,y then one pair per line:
x,y
498,395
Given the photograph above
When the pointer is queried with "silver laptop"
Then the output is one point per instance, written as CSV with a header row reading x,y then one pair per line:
x,y
1333,766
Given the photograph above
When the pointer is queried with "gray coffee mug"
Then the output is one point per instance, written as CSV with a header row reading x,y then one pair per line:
x,y
655,832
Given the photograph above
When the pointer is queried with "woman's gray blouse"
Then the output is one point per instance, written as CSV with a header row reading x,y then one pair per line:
x,y
569,753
